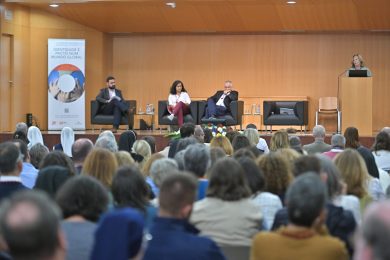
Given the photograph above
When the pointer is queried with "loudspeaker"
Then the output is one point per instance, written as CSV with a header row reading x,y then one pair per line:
x,y
29,119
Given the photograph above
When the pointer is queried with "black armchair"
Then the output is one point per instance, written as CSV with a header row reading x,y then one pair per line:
x,y
100,119
163,114
285,113
234,118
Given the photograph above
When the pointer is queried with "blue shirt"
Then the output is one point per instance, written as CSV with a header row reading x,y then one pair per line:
x,y
29,175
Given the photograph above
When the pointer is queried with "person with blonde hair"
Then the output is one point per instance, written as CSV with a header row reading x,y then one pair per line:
x,y
101,164
279,140
142,148
224,143
358,64
123,158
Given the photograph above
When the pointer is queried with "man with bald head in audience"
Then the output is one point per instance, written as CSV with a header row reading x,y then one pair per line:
x,y
372,242
319,145
30,227
80,149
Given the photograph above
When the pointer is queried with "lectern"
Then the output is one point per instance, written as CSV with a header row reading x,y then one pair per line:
x,y
356,104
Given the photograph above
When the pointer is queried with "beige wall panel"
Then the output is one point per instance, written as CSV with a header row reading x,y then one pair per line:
x,y
258,65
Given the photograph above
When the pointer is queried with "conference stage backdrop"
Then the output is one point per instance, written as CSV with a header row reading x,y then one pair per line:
x,y
66,82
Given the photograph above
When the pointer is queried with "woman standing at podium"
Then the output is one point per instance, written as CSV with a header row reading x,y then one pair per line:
x,y
178,102
358,64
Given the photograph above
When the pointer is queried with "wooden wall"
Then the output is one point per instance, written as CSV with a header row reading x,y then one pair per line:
x,y
258,65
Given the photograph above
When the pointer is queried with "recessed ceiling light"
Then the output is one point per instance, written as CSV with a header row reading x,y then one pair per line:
x,y
54,5
291,2
171,4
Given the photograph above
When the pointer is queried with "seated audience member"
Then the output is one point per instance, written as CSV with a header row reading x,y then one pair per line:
x,y
102,165
197,161
239,142
262,143
290,154
126,140
224,143
146,173
178,102
141,153
185,142
277,172
152,143
160,169
111,102
80,150
51,178
230,134
372,240
306,163
216,153
359,183
268,202
67,140
82,200
107,142
11,164
219,103
30,226
338,144
58,158
19,135
295,143
130,190
199,134
303,237
29,172
227,214
37,153
118,235
279,140
186,130
319,145
172,237
208,135
381,151
21,127
123,158
34,136
179,158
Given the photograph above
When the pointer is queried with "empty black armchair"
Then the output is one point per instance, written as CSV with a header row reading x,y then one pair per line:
x,y
234,118
163,114
100,119
285,113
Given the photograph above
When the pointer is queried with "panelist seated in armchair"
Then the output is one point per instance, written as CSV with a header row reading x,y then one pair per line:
x,y
111,102
178,102
219,103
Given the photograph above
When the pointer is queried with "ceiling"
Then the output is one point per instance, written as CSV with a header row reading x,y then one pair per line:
x,y
223,16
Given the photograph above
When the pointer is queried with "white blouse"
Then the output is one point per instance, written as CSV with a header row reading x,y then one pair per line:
x,y
174,99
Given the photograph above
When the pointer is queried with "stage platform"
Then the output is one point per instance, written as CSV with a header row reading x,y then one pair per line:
x,y
51,138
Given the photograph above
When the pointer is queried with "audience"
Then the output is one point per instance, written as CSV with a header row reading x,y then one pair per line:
x,y
381,151
126,140
279,140
58,158
107,142
67,140
29,172
239,142
224,143
199,134
80,150
216,153
338,144
123,158
21,127
37,153
152,143
82,200
319,145
172,237
141,153
34,136
186,130
227,214
51,178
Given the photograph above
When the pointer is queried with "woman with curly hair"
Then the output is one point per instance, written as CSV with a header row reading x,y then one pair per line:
x,y
224,143
279,140
178,102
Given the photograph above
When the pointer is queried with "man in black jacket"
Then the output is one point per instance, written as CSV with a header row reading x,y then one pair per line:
x,y
219,103
111,102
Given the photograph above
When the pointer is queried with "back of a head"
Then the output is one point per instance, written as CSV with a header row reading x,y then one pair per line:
x,y
197,159
107,142
162,168
124,158
185,142
187,129
279,140
338,141
382,142
126,140
152,143
240,141
81,148
255,177
29,223
223,142
20,136
67,140
34,136
319,132
177,191
10,156
252,135
351,135
333,177
58,158
142,147
199,134
21,126
82,196
227,181
216,153
51,178
306,163
301,210
22,145
37,153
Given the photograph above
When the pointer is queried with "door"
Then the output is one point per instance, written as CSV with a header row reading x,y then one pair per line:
x,y
6,82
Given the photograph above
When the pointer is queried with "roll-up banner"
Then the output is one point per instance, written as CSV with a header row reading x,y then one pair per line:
x,y
66,84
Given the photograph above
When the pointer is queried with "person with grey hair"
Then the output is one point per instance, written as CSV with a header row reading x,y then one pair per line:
x,y
161,168
30,226
185,142
199,134
372,242
304,236
197,160
253,136
22,127
106,142
11,164
319,145
37,153
179,158
338,145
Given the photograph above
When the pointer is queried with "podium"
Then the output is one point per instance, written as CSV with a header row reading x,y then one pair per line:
x,y
356,104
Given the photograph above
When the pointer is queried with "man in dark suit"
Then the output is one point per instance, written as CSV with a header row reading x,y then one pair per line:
x,y
111,102
219,103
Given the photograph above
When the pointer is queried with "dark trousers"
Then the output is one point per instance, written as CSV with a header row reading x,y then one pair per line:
x,y
213,110
116,108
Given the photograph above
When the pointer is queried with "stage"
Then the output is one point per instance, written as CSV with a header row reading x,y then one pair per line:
x,y
51,138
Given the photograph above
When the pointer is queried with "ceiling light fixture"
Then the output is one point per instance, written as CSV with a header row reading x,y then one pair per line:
x,y
54,5
171,4
291,2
